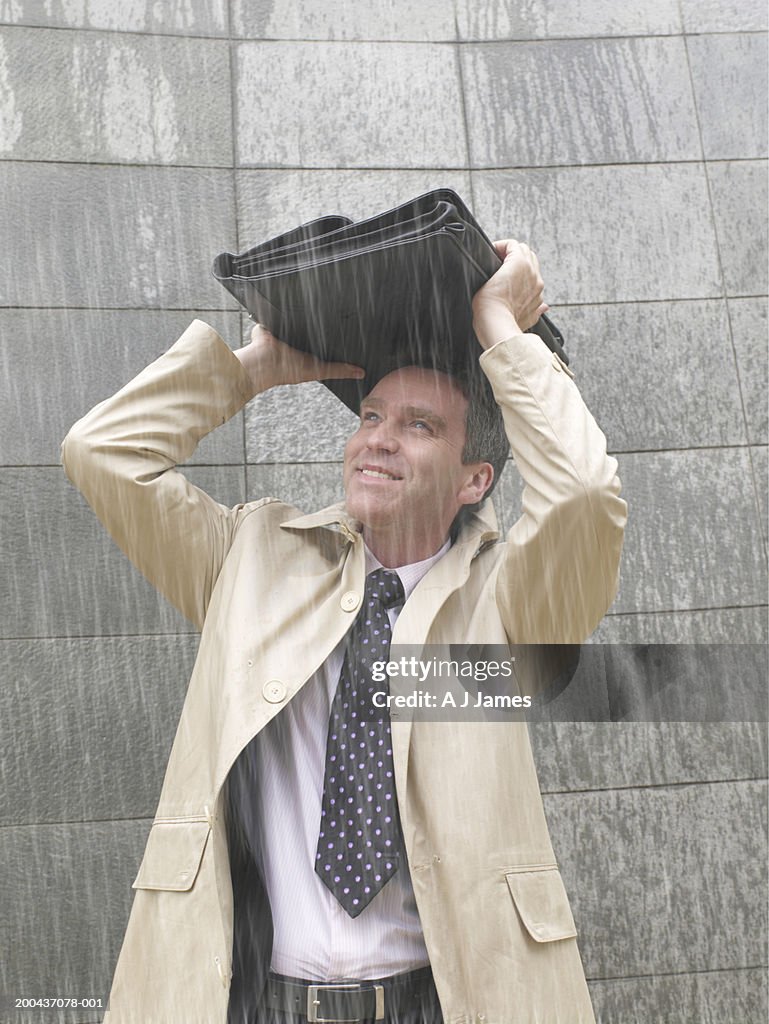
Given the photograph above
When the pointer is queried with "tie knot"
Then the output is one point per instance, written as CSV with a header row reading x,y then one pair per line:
x,y
384,585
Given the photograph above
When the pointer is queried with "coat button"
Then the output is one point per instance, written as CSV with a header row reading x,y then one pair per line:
x,y
350,601
274,691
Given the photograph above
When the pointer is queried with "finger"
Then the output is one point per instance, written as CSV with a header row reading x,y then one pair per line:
x,y
504,246
340,371
259,329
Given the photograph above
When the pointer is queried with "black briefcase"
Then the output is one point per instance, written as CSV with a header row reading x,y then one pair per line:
x,y
392,290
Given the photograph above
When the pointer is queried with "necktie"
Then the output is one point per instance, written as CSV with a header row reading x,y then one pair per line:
x,y
359,825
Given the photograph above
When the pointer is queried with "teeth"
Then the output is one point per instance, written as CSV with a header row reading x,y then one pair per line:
x,y
382,476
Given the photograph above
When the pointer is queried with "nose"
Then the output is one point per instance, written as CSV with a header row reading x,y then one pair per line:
x,y
382,437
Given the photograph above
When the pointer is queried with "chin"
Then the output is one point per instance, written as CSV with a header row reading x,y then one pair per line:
x,y
368,510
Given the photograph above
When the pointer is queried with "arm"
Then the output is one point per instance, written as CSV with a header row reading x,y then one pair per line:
x,y
563,553
122,455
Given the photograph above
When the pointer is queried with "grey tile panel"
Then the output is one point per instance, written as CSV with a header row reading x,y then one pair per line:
x,y
307,487
176,17
729,74
431,20
724,15
658,377
66,895
687,682
739,195
662,683
270,202
713,997
57,364
136,237
348,97
714,626
548,19
760,463
579,102
586,756
693,539
749,330
301,423
665,880
63,575
115,98
88,724
608,234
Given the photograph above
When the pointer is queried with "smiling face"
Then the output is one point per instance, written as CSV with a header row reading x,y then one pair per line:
x,y
404,477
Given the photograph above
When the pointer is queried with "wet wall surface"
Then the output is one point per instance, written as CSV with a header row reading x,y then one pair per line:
x,y
628,146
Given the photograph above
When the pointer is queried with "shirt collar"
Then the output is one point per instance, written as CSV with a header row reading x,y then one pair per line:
x,y
409,575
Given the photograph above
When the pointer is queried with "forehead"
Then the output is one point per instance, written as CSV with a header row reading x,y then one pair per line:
x,y
417,386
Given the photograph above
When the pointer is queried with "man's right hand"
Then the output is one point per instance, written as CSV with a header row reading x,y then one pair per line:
x,y
270,362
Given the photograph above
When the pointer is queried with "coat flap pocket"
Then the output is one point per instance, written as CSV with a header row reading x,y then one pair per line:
x,y
542,904
172,856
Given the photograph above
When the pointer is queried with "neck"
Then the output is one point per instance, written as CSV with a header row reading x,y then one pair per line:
x,y
395,550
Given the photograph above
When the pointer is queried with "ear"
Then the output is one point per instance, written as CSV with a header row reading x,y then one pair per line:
x,y
479,479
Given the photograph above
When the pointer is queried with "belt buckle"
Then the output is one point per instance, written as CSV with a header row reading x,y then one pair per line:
x,y
313,1003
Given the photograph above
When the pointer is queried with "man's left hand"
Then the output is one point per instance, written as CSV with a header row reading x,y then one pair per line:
x,y
511,300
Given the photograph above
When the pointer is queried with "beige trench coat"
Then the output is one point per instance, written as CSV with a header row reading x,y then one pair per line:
x,y
273,592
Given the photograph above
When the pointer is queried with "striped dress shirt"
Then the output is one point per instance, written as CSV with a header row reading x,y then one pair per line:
x,y
314,938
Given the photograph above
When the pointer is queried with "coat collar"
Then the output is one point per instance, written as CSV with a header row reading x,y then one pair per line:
x,y
478,533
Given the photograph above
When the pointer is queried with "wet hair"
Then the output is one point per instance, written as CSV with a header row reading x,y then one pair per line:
x,y
485,437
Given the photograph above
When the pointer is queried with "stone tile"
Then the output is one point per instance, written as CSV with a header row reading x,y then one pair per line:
x,y
87,355
308,487
740,205
716,626
693,537
178,17
63,575
687,682
72,706
729,73
654,380
270,202
593,229
579,102
84,871
708,998
724,15
587,756
759,459
549,19
347,95
114,236
664,880
298,424
749,331
115,98
303,19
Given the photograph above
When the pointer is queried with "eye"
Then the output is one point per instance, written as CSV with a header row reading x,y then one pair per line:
x,y
422,425
369,416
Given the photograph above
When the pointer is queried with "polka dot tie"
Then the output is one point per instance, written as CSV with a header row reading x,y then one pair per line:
x,y
359,825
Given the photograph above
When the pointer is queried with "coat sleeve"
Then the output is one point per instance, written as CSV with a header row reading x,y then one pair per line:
x,y
560,569
122,457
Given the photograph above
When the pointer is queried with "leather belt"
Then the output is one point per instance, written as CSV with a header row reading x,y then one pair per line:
x,y
346,1002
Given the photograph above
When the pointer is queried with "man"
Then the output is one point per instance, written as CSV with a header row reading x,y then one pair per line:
x,y
463,916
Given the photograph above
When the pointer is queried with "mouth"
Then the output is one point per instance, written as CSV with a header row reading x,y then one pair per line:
x,y
378,474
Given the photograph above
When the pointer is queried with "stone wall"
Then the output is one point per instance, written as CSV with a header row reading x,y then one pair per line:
x,y
627,144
